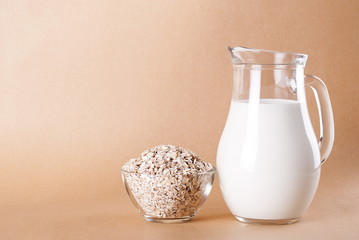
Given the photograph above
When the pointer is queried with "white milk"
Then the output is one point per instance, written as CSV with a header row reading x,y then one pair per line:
x,y
268,160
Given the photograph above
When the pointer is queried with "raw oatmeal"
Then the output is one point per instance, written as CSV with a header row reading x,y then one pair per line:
x,y
167,181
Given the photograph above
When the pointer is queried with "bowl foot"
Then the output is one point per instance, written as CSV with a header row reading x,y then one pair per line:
x,y
167,220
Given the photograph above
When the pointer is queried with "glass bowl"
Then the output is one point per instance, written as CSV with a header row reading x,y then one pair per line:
x,y
168,198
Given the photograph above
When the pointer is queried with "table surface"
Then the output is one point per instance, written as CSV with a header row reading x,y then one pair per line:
x,y
332,215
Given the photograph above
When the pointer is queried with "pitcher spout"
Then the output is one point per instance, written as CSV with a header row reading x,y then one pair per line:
x,y
248,56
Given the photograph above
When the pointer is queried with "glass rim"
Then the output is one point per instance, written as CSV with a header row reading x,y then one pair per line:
x,y
263,50
213,170
300,58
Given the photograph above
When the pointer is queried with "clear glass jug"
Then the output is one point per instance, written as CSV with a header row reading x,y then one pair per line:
x,y
268,158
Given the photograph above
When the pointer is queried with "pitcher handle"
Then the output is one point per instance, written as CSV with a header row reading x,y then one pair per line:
x,y
325,111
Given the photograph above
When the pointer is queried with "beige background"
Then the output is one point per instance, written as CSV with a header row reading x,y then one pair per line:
x,y
86,85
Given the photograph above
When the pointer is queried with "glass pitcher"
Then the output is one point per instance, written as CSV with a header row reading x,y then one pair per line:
x,y
269,158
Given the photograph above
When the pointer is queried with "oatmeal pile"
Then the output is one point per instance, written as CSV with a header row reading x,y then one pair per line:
x,y
166,181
